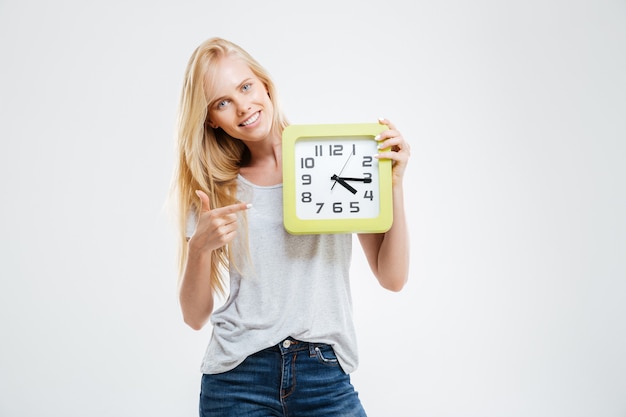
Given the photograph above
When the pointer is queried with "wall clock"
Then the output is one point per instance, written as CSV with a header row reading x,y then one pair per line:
x,y
331,181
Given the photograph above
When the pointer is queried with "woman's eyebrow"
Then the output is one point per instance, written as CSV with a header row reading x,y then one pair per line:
x,y
246,81
216,100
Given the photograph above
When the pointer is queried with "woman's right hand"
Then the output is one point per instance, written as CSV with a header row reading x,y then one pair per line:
x,y
216,227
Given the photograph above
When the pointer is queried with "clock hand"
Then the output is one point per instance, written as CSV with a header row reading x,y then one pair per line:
x,y
365,180
344,167
342,182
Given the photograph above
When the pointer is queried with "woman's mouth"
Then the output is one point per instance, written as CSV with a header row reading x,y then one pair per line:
x,y
251,119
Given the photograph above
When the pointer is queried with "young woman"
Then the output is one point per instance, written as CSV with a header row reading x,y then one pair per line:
x,y
283,343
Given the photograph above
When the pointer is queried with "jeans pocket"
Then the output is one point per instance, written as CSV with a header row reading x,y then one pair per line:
x,y
326,355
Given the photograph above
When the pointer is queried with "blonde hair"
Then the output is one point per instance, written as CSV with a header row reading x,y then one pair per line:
x,y
209,159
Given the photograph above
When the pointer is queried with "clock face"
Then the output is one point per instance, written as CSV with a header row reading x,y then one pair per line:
x,y
331,181
336,178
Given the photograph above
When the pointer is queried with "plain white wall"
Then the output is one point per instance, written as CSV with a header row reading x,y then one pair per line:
x,y
516,191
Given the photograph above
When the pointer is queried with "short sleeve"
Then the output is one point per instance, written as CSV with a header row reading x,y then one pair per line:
x,y
192,222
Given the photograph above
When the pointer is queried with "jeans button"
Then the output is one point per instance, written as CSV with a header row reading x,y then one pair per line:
x,y
286,343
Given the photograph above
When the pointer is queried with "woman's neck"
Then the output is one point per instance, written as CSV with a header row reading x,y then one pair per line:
x,y
265,164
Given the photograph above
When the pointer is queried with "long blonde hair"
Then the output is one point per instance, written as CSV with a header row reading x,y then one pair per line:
x,y
209,159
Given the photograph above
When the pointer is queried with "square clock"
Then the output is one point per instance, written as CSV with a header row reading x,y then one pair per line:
x,y
331,181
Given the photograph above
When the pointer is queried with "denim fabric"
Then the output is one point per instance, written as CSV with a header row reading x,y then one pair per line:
x,y
292,379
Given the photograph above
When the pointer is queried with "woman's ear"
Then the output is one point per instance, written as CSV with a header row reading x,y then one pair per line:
x,y
213,125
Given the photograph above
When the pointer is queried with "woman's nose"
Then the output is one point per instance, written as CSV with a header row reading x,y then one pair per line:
x,y
242,108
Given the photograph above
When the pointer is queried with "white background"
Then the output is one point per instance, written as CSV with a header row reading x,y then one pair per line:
x,y
516,113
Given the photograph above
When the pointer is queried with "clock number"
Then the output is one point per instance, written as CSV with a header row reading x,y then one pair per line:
x,y
337,207
369,194
367,161
335,150
306,197
354,207
307,162
319,205
367,175
318,150
306,179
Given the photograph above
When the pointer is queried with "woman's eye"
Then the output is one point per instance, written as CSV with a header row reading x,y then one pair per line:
x,y
222,104
246,87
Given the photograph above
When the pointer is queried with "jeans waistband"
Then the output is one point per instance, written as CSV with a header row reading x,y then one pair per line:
x,y
290,345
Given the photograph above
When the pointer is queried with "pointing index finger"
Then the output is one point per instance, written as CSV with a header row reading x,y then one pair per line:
x,y
233,208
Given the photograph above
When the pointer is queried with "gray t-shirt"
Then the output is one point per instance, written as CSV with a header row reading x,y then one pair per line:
x,y
290,285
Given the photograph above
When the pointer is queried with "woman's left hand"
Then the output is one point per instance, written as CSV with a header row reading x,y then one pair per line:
x,y
399,150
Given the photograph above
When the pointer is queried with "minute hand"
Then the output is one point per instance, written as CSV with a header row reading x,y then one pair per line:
x,y
365,180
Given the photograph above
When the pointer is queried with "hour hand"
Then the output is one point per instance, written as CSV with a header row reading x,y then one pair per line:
x,y
343,183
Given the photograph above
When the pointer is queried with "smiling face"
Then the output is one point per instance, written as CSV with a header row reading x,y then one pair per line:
x,y
238,101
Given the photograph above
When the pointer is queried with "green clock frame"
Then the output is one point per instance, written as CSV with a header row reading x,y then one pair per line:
x,y
295,225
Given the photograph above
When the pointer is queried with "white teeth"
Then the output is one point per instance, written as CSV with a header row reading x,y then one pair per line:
x,y
251,120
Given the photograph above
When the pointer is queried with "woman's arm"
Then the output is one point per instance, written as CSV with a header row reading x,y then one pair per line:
x,y
215,229
388,253
195,292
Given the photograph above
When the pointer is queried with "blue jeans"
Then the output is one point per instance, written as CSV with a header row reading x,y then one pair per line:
x,y
292,379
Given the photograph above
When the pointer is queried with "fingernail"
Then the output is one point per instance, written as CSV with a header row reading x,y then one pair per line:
x,y
249,206
377,137
381,119
376,156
